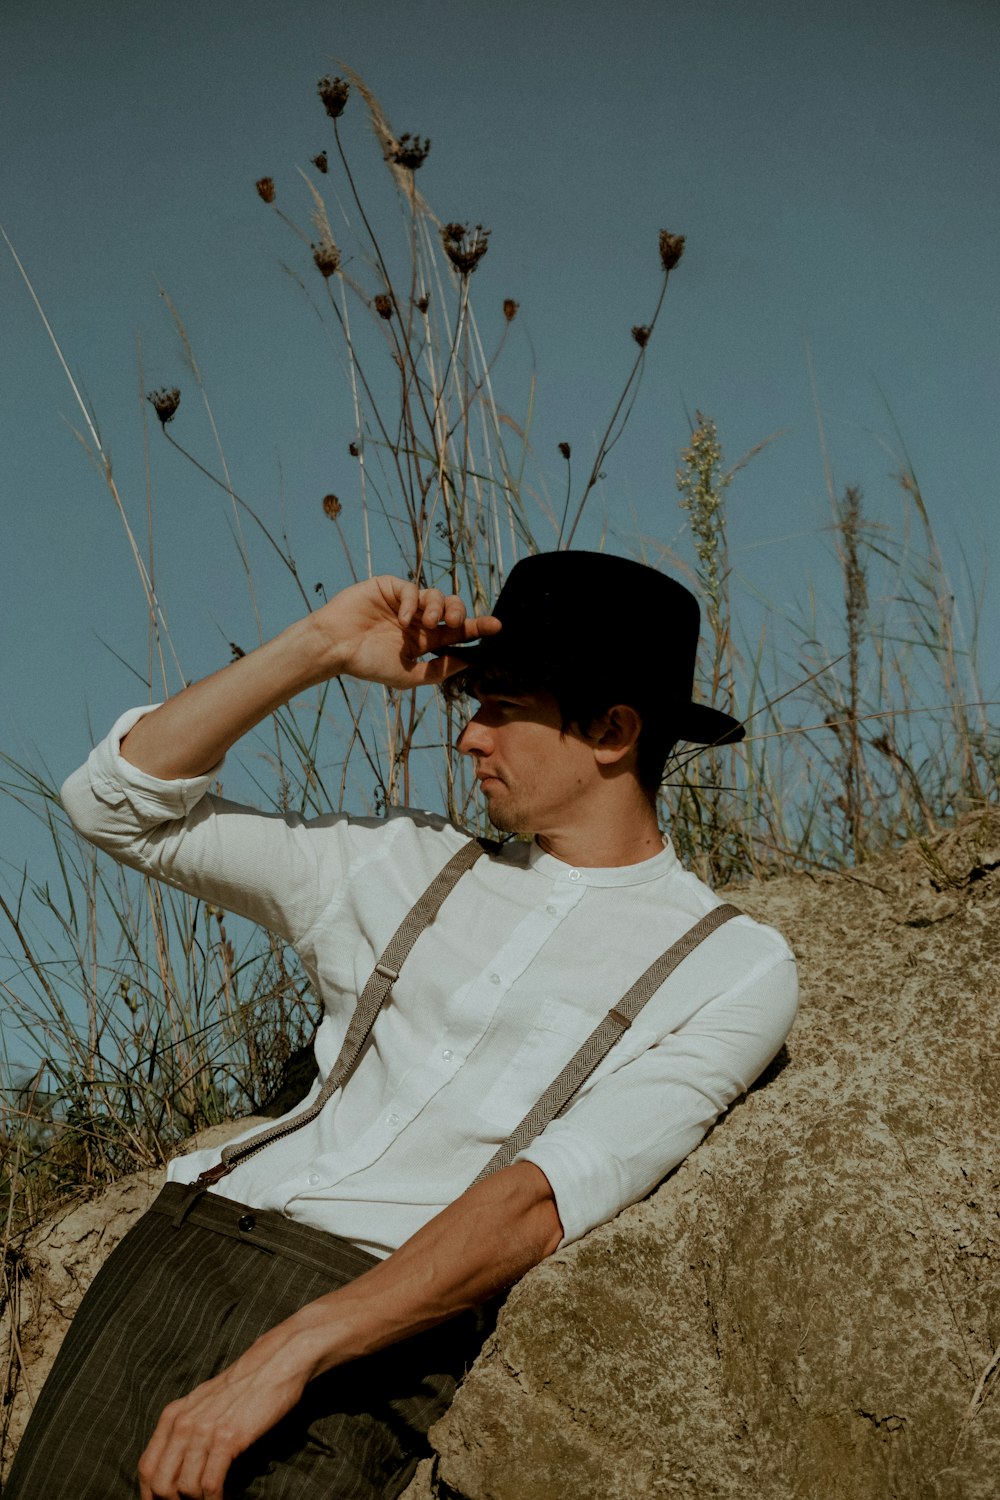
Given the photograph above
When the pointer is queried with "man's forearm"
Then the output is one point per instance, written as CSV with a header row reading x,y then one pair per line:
x,y
480,1244
377,630
190,733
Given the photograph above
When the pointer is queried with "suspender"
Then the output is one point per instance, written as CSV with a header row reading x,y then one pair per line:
x,y
559,1093
370,1002
603,1037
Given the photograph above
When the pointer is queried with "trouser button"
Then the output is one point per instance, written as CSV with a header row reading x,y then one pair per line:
x,y
246,1222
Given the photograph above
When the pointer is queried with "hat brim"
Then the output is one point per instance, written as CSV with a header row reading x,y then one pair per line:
x,y
701,725
696,723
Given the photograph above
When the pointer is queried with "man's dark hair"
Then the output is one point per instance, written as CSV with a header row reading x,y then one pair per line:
x,y
580,705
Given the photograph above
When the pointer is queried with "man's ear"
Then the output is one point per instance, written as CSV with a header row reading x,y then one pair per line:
x,y
615,733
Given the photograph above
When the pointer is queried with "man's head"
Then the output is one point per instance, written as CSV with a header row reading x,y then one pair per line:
x,y
591,633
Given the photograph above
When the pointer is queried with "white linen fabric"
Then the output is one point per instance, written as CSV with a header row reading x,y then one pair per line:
x,y
525,957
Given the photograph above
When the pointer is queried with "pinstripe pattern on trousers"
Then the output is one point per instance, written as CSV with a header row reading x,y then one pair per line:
x,y
191,1286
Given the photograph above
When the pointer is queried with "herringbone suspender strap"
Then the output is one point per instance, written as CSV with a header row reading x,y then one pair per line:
x,y
600,1041
370,1002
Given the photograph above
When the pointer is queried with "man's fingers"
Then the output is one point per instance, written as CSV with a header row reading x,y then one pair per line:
x,y
432,608
199,1469
454,611
149,1462
481,625
213,1478
439,637
201,1458
408,598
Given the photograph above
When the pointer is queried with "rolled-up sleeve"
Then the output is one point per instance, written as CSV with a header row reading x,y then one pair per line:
x,y
635,1122
263,866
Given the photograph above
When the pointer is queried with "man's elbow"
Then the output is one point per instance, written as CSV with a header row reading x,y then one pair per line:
x,y
81,806
544,1230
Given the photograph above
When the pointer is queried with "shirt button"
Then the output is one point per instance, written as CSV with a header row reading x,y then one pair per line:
x,y
574,874
313,1179
494,979
551,909
447,1054
393,1119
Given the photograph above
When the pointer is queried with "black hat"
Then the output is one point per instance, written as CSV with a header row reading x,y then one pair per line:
x,y
588,618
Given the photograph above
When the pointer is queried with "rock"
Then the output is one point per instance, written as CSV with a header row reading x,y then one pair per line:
x,y
809,1307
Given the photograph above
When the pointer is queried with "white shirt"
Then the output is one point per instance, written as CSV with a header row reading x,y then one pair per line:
x,y
525,957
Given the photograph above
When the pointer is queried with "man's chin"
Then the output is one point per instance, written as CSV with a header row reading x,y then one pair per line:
x,y
501,814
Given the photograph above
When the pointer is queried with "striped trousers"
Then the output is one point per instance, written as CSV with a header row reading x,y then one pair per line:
x,y
181,1297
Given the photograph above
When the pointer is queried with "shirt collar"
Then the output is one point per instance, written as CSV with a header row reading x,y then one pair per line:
x,y
654,868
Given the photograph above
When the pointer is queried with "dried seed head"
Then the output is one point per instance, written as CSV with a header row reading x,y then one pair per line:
x,y
565,450
353,450
333,92
510,308
641,334
326,257
671,249
331,506
320,162
383,305
465,247
165,403
408,151
422,303
265,187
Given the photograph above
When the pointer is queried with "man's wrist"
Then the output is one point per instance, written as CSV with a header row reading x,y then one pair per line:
x,y
314,656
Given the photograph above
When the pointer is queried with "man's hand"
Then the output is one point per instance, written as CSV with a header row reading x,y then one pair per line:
x,y
376,630
379,629
198,1437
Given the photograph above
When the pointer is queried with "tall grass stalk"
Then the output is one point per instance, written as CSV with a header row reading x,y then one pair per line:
x,y
134,1015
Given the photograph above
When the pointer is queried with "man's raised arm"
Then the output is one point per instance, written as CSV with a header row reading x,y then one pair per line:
x,y
377,631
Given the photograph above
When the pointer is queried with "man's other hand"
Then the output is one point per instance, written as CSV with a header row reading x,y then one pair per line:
x,y
198,1437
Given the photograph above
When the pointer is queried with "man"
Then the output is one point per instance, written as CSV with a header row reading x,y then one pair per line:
x,y
290,1319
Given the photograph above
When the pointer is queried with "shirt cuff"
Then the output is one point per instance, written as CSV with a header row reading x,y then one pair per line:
x,y
585,1180
115,780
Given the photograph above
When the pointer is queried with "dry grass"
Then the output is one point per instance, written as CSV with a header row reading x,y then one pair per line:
x,y
137,1015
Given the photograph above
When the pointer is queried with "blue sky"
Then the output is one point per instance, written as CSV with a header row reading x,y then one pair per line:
x,y
834,172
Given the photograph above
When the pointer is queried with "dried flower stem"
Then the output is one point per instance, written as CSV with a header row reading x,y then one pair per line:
x,y
611,437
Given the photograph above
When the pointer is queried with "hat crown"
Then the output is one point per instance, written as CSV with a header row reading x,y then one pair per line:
x,y
623,629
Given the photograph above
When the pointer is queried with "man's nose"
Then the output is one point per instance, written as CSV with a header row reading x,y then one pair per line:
x,y
474,739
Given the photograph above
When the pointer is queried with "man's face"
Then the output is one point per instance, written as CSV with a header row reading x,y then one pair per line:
x,y
532,772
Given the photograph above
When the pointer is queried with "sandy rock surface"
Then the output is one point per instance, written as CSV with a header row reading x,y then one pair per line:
x,y
809,1307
